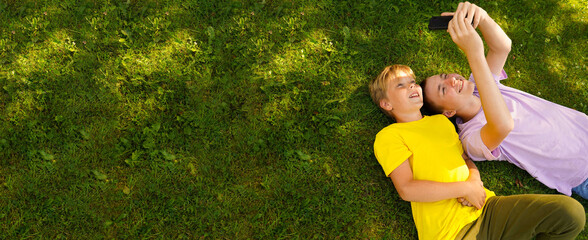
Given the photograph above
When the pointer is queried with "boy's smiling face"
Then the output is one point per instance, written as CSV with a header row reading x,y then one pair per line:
x,y
448,91
403,96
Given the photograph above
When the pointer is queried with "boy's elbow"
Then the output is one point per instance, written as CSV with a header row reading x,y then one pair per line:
x,y
403,197
510,125
503,46
507,46
403,194
503,128
407,195
507,127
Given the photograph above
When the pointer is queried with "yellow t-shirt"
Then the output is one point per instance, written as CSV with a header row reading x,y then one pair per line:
x,y
435,153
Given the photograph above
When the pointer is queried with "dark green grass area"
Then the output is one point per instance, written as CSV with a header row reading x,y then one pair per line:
x,y
235,119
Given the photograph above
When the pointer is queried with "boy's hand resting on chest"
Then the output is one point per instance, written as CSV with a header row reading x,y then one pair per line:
x,y
475,195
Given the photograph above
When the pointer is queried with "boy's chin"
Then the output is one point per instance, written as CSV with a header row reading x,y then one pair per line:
x,y
418,103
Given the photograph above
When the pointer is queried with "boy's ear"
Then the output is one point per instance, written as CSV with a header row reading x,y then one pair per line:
x,y
449,113
384,104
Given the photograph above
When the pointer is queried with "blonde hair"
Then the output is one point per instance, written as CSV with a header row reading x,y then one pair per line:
x,y
379,85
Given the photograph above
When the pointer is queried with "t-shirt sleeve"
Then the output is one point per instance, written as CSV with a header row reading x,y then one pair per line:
x,y
390,150
475,148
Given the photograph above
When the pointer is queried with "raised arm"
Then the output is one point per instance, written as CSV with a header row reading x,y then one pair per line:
x,y
499,121
499,44
413,190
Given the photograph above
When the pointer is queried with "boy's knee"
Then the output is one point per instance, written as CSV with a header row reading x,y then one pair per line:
x,y
573,211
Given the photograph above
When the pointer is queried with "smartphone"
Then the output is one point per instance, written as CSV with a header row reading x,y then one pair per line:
x,y
439,22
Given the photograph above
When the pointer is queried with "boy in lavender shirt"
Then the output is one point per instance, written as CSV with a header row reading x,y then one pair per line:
x,y
547,140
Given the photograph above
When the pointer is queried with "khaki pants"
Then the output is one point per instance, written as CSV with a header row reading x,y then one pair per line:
x,y
526,216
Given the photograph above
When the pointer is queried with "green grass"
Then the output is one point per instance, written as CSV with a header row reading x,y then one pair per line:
x,y
235,119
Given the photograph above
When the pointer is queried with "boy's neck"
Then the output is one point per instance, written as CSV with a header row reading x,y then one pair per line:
x,y
470,110
410,117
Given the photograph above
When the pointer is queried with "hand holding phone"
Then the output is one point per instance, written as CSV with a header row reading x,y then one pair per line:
x,y
468,9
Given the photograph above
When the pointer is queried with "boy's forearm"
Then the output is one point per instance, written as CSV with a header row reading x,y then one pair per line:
x,y
490,95
430,191
495,37
499,120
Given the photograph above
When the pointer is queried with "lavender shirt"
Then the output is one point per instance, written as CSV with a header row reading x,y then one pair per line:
x,y
549,141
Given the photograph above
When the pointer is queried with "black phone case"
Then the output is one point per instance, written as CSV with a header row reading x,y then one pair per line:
x,y
439,22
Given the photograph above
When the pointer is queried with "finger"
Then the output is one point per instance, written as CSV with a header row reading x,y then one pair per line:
x,y
460,199
482,202
467,25
447,13
477,17
462,14
459,22
471,13
454,19
459,8
466,6
467,13
451,30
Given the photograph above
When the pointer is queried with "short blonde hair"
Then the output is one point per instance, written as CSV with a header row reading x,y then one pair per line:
x,y
379,85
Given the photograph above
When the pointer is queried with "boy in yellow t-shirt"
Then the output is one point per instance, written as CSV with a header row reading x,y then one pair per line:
x,y
433,151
